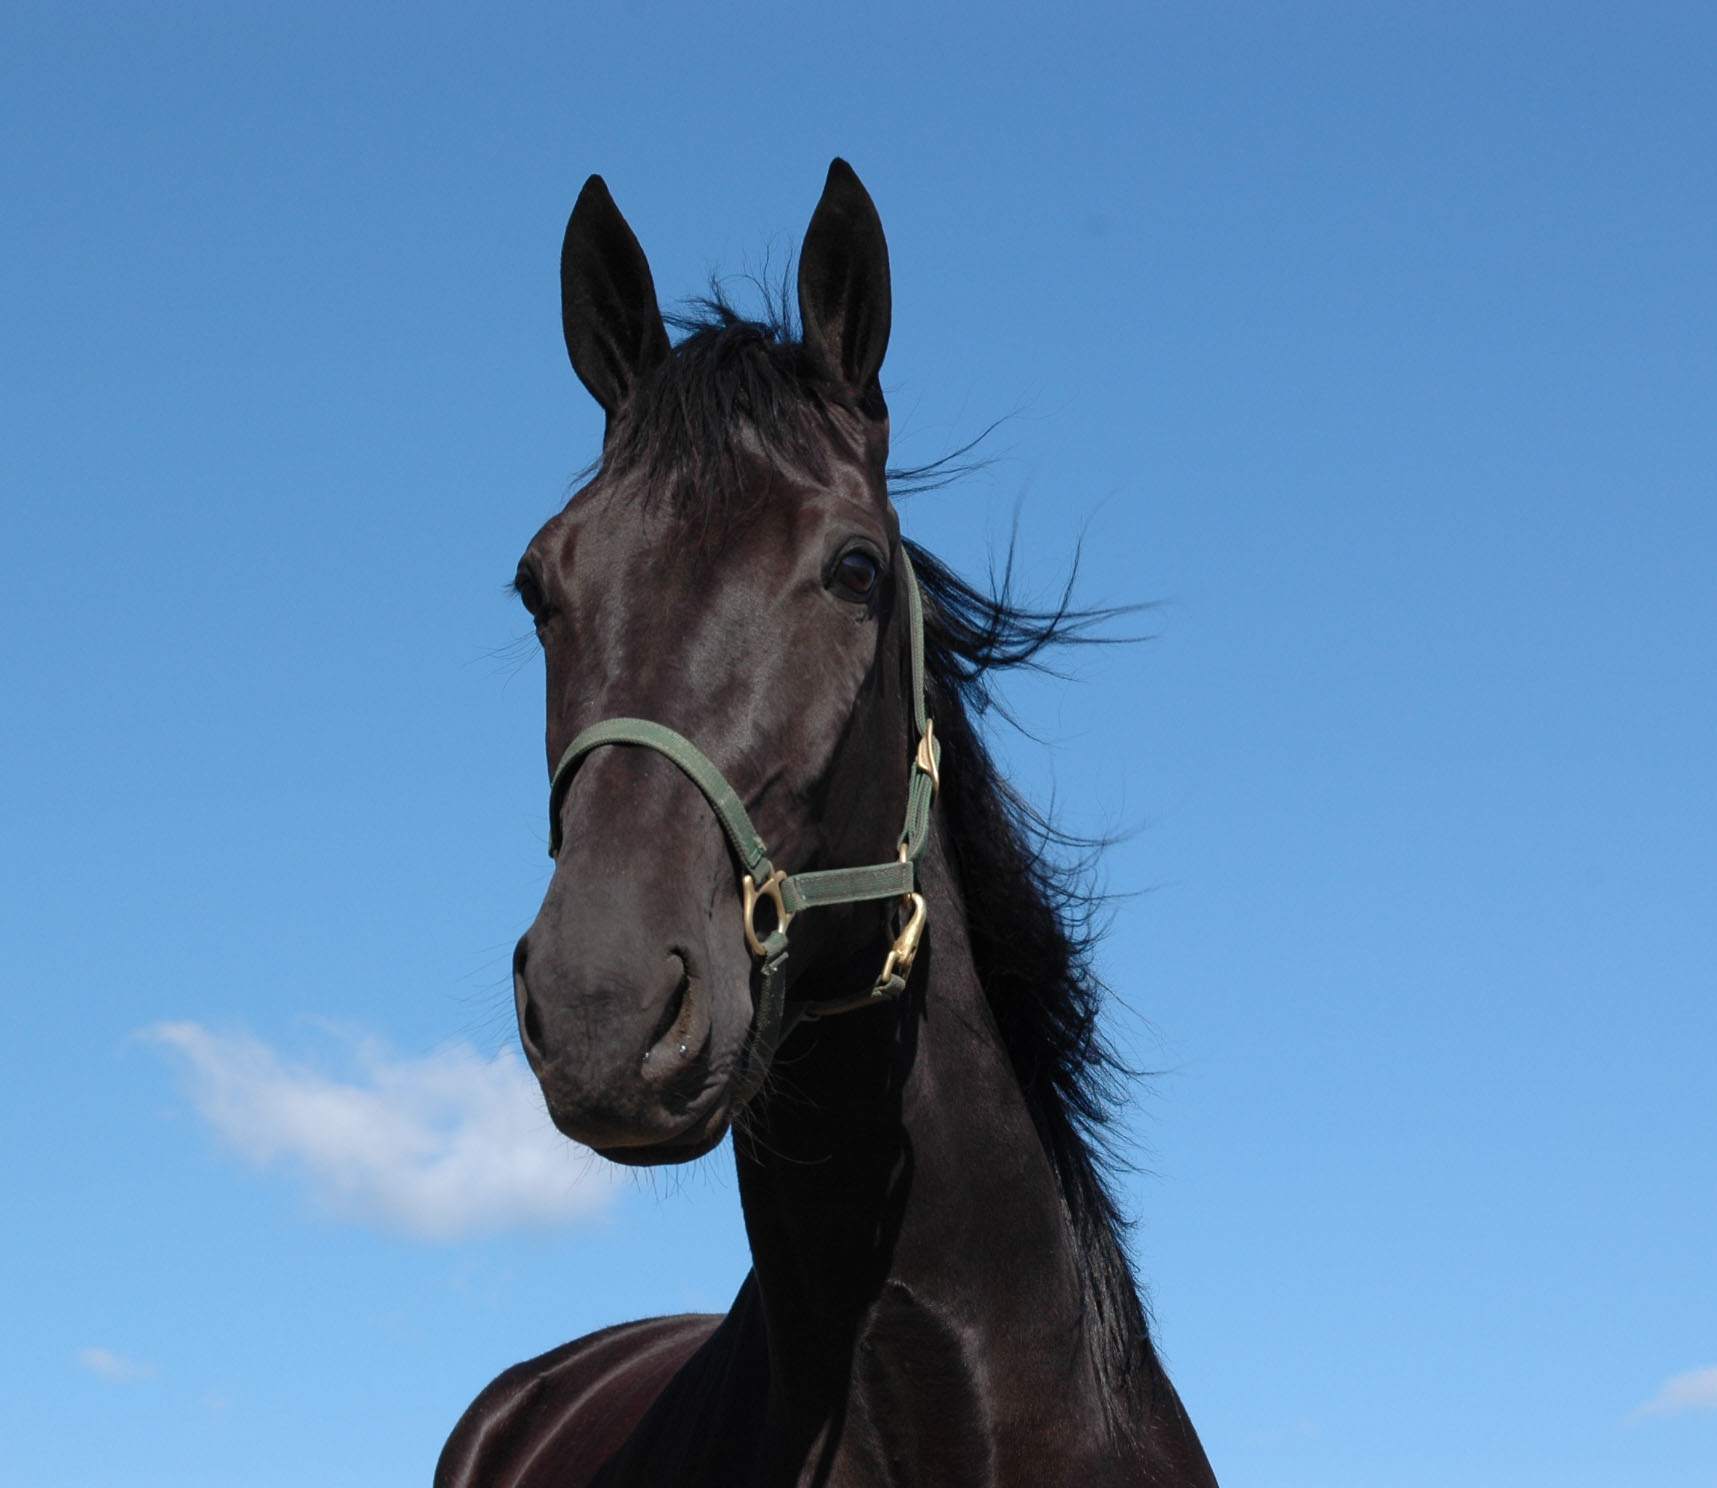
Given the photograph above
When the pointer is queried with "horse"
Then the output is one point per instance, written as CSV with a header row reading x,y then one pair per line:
x,y
747,664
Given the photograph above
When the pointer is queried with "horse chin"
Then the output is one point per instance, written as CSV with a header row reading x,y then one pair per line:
x,y
650,1136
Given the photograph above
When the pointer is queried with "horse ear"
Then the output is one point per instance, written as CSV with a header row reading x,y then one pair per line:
x,y
844,301
614,330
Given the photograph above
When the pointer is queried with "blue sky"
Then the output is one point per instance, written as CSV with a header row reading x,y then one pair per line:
x,y
1377,345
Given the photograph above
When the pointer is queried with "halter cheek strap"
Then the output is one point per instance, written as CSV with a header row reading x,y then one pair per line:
x,y
790,894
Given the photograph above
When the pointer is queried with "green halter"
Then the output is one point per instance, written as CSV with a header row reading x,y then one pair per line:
x,y
788,894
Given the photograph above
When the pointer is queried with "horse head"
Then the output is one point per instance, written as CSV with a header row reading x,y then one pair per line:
x,y
733,578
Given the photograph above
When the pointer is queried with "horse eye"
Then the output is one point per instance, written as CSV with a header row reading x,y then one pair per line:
x,y
856,573
530,594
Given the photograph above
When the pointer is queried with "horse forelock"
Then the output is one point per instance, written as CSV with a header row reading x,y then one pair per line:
x,y
736,393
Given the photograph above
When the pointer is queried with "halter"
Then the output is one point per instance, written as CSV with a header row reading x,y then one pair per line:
x,y
786,893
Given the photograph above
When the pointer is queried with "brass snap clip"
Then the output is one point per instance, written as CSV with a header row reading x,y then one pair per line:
x,y
905,949
769,889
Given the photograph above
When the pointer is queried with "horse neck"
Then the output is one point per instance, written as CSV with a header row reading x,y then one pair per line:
x,y
899,1201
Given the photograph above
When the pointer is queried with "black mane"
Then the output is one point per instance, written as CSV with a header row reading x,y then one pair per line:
x,y
1032,924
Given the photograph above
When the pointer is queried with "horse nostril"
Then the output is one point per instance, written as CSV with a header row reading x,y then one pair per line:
x,y
533,1029
675,1004
530,1024
676,1062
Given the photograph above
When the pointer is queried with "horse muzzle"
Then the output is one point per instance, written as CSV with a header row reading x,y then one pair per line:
x,y
624,1046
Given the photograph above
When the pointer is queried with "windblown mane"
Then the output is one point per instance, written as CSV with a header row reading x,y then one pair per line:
x,y
1032,924
1030,910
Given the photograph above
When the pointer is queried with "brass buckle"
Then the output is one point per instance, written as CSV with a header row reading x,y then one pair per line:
x,y
769,889
905,949
925,759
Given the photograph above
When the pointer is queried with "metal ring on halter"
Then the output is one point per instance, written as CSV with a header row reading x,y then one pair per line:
x,y
769,889
928,757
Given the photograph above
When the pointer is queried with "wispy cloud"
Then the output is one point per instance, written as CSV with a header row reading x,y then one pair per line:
x,y
1694,1391
437,1146
112,1366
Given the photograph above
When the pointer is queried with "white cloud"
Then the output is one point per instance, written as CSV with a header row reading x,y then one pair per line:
x,y
1694,1391
438,1146
112,1366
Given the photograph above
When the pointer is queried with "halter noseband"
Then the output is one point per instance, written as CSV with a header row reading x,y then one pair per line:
x,y
788,894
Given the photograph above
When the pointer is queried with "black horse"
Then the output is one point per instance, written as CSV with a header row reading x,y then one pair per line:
x,y
939,1295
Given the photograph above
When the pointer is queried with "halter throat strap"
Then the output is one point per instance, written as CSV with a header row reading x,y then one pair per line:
x,y
789,894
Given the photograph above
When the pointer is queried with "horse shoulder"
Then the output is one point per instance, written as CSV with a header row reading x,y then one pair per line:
x,y
554,1420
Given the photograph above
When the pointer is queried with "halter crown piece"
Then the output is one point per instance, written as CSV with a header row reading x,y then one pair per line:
x,y
788,894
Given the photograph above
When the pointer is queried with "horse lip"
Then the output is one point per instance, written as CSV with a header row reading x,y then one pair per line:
x,y
662,1154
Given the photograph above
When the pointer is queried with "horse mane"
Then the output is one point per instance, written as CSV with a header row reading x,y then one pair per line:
x,y
1033,922
1032,915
